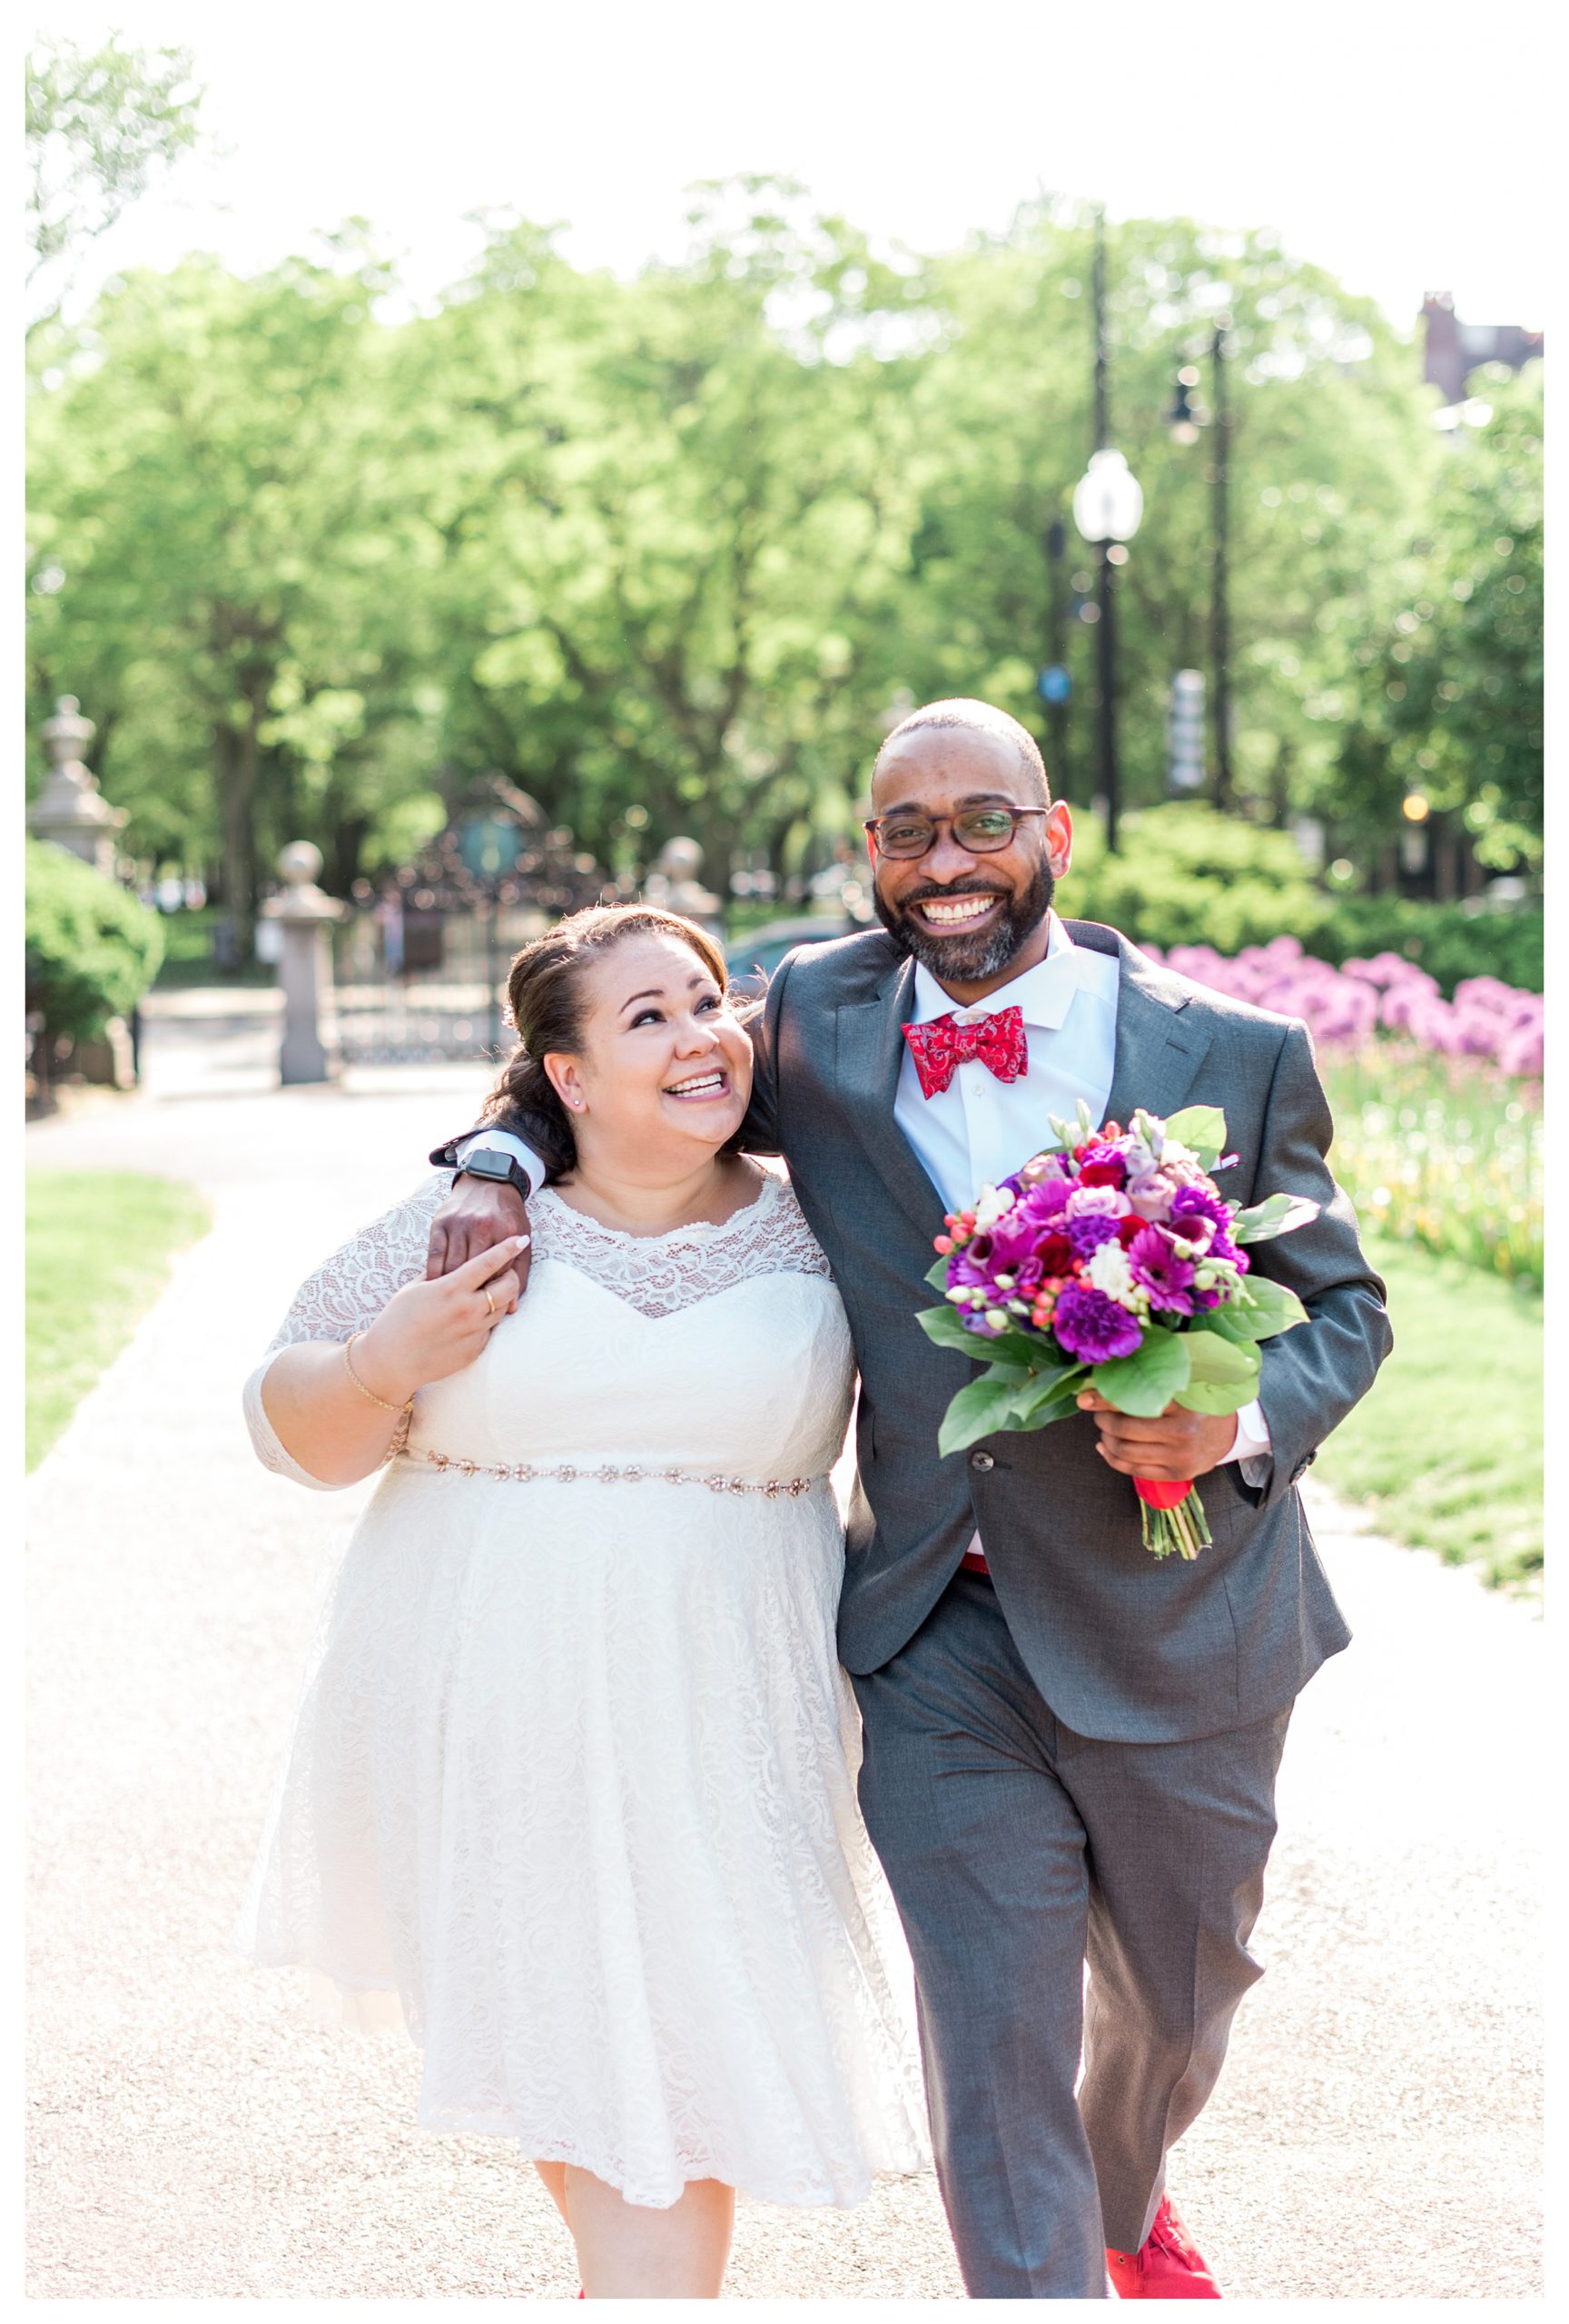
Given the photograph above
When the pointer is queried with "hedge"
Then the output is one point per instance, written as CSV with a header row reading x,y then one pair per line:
x,y
1187,874
91,948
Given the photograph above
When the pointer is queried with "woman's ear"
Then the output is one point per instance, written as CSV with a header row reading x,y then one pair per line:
x,y
561,1071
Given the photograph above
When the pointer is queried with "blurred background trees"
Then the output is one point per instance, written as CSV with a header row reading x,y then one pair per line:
x,y
670,553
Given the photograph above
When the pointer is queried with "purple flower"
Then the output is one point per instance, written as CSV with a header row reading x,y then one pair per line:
x,y
1168,1279
1089,1231
1046,1199
1199,1202
1093,1327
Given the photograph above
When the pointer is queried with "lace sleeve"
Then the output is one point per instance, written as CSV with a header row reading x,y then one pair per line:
x,y
344,1295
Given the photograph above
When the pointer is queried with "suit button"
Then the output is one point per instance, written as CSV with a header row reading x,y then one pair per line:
x,y
982,1461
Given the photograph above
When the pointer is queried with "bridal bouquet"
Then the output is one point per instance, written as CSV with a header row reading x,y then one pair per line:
x,y
1112,1262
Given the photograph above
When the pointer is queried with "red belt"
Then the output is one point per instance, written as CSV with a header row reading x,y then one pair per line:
x,y
974,1563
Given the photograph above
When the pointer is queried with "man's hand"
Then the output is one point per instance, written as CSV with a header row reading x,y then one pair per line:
x,y
1174,1445
477,1215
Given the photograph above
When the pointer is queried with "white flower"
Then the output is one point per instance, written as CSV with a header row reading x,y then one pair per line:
x,y
995,1203
1108,1271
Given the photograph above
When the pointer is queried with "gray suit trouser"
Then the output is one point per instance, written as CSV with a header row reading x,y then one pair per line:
x,y
1017,1851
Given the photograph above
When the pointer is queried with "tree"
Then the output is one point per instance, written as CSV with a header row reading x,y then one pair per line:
x,y
1330,458
664,532
1455,709
102,125
213,535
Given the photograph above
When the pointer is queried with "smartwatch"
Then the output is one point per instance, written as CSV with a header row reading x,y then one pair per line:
x,y
490,1162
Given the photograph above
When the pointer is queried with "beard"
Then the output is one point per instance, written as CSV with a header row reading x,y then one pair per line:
x,y
970,959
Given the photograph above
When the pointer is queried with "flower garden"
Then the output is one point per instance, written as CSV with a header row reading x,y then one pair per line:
x,y
1437,1104
1439,1141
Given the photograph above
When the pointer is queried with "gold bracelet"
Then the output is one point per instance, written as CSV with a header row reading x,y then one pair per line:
x,y
359,1384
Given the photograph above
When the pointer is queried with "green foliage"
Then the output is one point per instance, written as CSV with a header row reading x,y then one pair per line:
x,y
98,1249
1446,1451
1452,706
101,125
91,950
1444,1153
1450,942
1185,874
663,550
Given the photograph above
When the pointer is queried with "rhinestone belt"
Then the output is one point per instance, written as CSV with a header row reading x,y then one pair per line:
x,y
526,1472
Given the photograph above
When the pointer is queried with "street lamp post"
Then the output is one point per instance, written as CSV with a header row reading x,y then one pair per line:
x,y
1107,506
1219,604
1185,424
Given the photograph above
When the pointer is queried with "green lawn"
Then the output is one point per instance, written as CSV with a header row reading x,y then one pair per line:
x,y
99,1248
1447,1447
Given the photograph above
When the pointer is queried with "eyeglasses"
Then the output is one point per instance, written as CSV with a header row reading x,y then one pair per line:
x,y
979,830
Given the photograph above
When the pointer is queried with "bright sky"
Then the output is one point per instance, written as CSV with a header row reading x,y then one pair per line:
x,y
1402,146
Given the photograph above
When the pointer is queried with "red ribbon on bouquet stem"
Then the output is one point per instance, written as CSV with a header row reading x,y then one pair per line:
x,y
1178,1525
1162,1492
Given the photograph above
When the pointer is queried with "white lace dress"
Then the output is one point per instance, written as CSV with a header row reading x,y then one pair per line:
x,y
573,1770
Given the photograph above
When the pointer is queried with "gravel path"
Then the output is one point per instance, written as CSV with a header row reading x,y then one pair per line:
x,y
197,2132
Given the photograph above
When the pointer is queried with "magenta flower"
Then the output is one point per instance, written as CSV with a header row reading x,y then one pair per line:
x,y
1045,1199
1198,1202
1093,1327
1168,1279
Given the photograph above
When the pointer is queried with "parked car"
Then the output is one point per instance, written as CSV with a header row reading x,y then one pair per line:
x,y
752,959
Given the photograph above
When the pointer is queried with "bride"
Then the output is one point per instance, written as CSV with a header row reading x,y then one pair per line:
x,y
574,1769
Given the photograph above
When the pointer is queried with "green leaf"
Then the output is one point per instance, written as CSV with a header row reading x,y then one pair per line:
x,y
1268,1307
1202,1127
1221,1376
1278,1216
979,1410
942,1325
1231,1324
1030,1353
1048,1396
937,1276
1144,1384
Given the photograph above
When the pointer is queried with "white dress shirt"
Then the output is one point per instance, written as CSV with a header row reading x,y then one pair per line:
x,y
979,1129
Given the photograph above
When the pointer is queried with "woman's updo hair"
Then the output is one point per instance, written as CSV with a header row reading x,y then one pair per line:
x,y
547,998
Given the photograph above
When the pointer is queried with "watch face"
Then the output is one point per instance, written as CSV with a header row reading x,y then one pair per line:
x,y
488,1164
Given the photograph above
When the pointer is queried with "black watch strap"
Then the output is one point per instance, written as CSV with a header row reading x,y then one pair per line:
x,y
490,1162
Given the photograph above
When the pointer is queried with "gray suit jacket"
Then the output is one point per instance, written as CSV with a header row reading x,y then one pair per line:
x,y
1122,1648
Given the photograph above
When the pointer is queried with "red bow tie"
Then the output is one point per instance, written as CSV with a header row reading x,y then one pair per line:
x,y
938,1046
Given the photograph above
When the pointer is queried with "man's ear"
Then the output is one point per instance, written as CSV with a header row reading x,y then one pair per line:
x,y
1059,838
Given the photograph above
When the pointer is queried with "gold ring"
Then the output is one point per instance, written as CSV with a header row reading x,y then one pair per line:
x,y
489,1303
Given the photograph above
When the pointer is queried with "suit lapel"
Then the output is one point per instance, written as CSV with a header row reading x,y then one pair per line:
x,y
869,1054
1159,1048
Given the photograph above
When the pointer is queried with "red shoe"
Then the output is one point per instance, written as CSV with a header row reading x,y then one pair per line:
x,y
1168,2264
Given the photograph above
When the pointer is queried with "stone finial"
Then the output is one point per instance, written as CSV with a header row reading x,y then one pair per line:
x,y
301,900
69,810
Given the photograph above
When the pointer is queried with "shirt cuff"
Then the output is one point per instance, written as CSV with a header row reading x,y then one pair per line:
x,y
1252,1447
502,1141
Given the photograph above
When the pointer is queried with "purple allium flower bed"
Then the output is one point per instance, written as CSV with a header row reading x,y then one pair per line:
x,y
1346,1006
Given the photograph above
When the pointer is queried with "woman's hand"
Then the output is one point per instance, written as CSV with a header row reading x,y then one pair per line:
x,y
429,1330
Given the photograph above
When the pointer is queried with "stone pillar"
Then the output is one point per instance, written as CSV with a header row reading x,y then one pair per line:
x,y
70,810
674,886
305,967
70,813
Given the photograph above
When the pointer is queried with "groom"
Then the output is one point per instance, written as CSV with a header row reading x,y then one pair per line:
x,y
1071,1750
